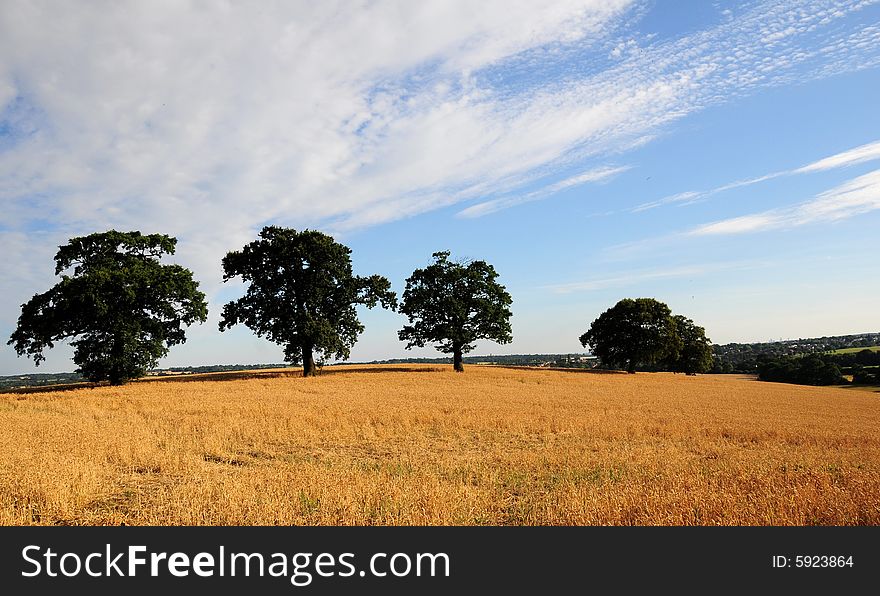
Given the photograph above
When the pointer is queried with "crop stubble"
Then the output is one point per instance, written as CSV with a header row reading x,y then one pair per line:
x,y
423,445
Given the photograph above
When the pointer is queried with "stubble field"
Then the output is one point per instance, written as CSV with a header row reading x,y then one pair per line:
x,y
423,445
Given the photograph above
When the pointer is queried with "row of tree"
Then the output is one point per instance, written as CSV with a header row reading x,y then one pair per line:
x,y
822,369
123,309
862,358
811,369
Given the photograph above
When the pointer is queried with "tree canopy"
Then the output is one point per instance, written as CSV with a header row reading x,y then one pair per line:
x,y
695,355
453,304
634,332
122,307
302,294
809,369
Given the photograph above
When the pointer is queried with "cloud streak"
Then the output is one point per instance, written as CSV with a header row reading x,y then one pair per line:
x,y
597,175
855,197
632,278
858,155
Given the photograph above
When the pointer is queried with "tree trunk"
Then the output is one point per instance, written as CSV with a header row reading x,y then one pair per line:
x,y
117,354
308,362
456,359
631,369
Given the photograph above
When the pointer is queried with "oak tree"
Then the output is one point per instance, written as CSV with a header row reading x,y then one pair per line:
x,y
695,353
633,332
453,304
121,306
302,294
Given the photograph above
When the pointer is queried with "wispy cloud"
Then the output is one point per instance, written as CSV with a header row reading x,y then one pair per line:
x,y
862,154
741,225
207,121
695,196
596,175
314,113
858,155
852,198
637,277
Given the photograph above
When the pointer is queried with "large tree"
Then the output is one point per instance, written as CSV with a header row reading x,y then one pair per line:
x,y
633,332
122,307
302,294
695,353
454,304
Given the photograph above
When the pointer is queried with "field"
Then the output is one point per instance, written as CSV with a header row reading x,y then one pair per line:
x,y
423,445
854,350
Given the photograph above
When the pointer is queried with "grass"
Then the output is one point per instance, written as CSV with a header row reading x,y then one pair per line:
x,y
423,445
854,350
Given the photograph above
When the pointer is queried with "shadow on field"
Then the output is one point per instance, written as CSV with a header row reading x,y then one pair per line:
x,y
49,388
381,369
354,368
244,375
593,371
233,375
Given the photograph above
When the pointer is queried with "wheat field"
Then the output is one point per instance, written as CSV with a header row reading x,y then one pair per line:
x,y
423,445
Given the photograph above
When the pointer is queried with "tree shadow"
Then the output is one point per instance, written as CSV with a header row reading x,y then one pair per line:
x,y
226,375
50,388
244,375
332,370
231,375
594,371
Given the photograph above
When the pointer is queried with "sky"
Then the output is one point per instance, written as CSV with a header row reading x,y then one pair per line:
x,y
723,157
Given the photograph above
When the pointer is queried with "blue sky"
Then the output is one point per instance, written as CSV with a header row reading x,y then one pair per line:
x,y
721,157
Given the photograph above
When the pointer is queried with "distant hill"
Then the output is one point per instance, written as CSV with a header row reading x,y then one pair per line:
x,y
38,380
735,357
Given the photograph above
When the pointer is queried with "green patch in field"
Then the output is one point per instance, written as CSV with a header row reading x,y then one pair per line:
x,y
854,350
308,505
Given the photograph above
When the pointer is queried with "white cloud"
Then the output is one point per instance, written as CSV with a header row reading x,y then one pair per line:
x,y
224,117
855,197
858,196
740,225
624,48
686,197
631,278
858,155
206,121
862,154
596,175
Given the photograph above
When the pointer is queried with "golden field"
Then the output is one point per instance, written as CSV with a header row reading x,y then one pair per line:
x,y
423,445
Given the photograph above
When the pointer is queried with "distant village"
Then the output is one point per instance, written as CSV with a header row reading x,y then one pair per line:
x,y
736,357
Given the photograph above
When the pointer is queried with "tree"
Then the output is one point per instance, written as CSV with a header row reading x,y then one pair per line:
x,y
814,370
453,304
862,376
695,355
121,305
633,332
302,294
810,369
867,357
